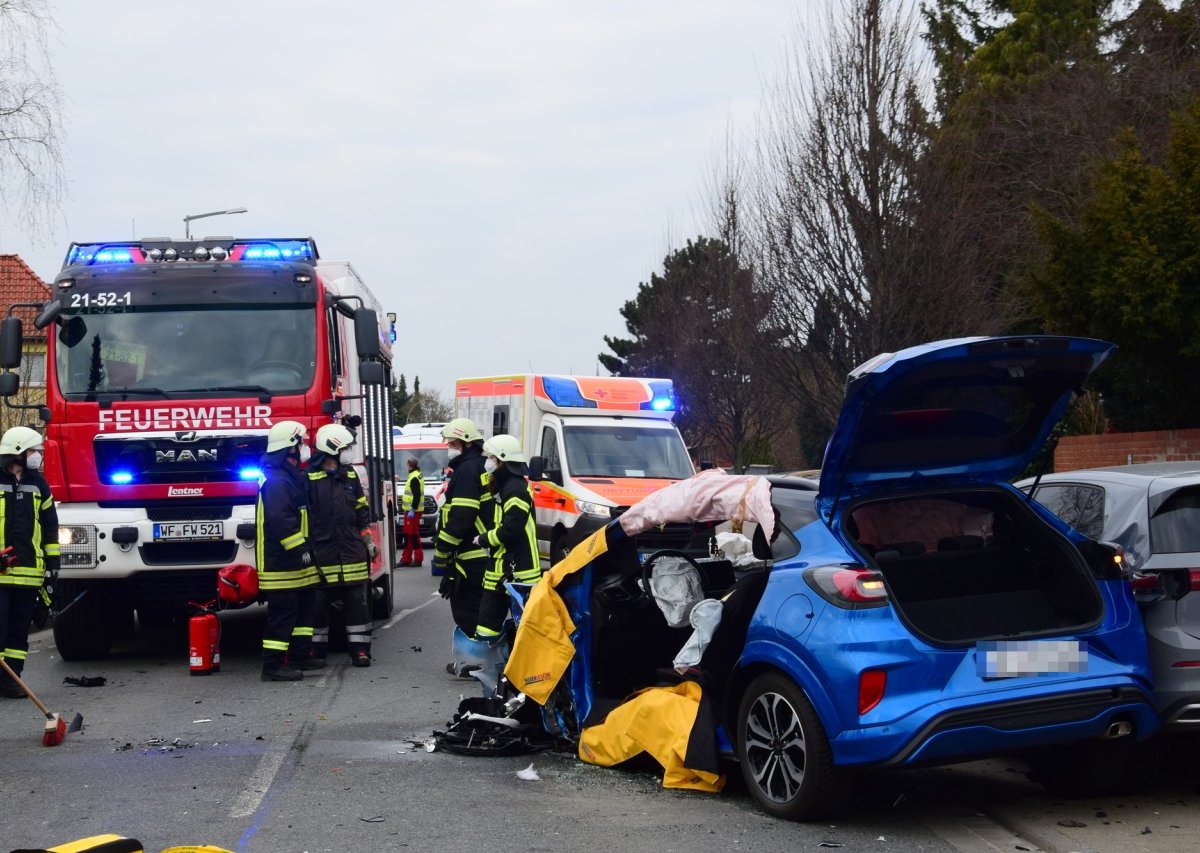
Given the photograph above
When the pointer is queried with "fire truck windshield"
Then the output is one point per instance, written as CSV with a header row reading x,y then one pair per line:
x,y
185,352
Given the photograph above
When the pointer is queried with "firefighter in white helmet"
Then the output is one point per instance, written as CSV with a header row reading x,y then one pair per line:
x,y
342,543
512,539
29,539
287,574
465,515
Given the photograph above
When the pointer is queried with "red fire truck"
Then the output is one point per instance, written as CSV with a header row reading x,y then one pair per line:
x,y
168,362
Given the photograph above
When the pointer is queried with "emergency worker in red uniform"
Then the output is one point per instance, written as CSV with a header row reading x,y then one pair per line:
x,y
413,503
342,543
29,526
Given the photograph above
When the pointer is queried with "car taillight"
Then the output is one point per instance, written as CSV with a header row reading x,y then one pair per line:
x,y
871,684
1144,583
852,587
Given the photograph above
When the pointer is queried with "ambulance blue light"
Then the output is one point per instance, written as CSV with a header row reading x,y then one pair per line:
x,y
662,404
121,478
264,253
565,392
250,473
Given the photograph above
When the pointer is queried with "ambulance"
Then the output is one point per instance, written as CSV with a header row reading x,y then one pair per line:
x,y
596,445
424,443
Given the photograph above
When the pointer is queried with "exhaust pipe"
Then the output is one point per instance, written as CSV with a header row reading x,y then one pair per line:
x,y
1117,729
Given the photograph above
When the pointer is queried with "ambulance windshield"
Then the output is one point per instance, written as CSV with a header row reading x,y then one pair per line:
x,y
431,461
183,352
626,451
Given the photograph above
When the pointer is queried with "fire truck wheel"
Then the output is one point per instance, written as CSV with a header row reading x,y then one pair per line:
x,y
381,600
81,631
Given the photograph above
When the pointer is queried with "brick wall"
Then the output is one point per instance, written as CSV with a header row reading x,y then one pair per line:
x,y
1123,448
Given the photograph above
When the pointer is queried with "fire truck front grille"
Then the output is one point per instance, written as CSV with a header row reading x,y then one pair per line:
x,y
155,588
185,512
188,553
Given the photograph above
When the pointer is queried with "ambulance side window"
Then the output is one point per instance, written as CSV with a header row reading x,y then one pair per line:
x,y
550,450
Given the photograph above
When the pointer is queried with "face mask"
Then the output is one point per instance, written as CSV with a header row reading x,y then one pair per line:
x,y
491,465
305,453
344,457
33,459
453,453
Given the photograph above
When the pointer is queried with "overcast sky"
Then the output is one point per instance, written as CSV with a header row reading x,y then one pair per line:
x,y
516,163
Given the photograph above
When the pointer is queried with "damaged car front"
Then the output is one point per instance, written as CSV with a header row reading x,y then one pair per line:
x,y
913,609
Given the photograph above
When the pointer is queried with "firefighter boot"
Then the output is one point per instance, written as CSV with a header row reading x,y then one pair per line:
x,y
9,688
281,673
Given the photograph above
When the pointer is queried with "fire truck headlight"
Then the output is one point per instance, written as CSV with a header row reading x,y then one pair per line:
x,y
78,544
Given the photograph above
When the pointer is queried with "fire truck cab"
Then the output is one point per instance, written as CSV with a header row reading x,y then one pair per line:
x,y
168,362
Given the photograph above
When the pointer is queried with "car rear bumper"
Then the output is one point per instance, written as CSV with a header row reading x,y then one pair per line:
x,y
954,734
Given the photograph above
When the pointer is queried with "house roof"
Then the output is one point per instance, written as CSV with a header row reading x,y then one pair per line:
x,y
18,283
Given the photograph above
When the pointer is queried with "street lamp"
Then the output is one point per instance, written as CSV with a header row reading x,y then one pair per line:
x,y
187,220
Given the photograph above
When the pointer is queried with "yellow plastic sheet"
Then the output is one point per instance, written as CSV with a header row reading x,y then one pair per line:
x,y
542,649
657,720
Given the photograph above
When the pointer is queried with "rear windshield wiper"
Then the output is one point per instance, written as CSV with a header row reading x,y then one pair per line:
x,y
264,394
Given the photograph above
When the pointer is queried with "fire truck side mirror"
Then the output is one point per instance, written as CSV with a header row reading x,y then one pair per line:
x,y
9,382
370,373
49,314
11,342
366,333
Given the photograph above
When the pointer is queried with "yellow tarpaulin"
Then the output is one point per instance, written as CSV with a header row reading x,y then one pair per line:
x,y
542,649
657,720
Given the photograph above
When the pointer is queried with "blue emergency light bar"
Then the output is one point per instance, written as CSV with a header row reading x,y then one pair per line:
x,y
121,478
218,249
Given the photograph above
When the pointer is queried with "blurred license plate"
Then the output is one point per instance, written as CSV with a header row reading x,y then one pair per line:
x,y
189,530
1014,658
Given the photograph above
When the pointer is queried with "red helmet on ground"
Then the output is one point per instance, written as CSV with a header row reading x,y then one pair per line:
x,y
237,584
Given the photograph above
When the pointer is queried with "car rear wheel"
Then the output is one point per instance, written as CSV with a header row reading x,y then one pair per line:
x,y
784,754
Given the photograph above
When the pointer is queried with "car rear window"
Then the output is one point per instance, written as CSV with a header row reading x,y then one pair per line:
x,y
1080,506
1175,528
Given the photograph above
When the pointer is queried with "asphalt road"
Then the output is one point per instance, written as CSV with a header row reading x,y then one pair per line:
x,y
335,764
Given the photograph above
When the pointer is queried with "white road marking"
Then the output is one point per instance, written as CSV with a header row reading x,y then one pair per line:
x,y
389,623
259,783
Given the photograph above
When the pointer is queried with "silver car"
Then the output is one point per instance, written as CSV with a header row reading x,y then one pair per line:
x,y
1152,510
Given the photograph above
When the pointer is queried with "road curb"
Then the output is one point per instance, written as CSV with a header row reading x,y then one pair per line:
x,y
1046,837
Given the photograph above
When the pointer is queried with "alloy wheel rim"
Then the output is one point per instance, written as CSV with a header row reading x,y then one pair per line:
x,y
775,747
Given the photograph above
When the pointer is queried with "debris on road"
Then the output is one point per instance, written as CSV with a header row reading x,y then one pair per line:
x,y
86,680
377,819
529,774
1072,824
206,720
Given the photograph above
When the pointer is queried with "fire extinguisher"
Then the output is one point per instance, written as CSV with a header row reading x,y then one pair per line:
x,y
204,639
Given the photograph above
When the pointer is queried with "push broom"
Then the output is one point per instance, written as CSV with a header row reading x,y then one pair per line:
x,y
56,727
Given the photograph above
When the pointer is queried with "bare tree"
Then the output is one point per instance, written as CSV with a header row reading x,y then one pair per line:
x,y
854,231
31,130
429,406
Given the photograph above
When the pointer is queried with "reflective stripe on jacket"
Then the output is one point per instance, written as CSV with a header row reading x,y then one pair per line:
x,y
339,515
29,523
468,508
281,526
513,537
414,492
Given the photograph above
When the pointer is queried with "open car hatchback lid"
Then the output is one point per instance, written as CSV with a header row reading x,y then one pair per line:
x,y
963,411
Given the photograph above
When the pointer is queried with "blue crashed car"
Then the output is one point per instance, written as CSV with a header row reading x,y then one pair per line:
x,y
910,608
